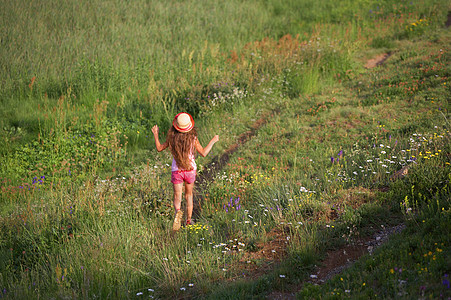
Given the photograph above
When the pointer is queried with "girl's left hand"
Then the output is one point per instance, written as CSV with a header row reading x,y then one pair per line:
x,y
155,130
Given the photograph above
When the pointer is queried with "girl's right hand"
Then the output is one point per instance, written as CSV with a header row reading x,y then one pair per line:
x,y
215,138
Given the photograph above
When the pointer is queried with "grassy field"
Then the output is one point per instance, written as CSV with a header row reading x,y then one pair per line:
x,y
316,150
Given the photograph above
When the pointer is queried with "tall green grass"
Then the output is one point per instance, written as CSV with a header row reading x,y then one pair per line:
x,y
102,51
86,207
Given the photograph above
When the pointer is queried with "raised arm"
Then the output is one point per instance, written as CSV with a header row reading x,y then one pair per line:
x,y
204,151
160,147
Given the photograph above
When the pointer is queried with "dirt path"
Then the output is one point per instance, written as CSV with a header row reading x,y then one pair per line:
x,y
377,60
337,261
220,161
448,21
273,252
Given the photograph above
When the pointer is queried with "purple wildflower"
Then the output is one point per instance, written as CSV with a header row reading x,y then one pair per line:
x,y
446,281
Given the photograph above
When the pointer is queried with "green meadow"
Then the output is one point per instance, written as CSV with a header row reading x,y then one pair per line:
x,y
319,149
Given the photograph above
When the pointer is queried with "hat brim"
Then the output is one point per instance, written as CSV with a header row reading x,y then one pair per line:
x,y
187,129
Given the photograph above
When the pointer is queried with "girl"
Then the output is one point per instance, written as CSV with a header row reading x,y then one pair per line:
x,y
182,141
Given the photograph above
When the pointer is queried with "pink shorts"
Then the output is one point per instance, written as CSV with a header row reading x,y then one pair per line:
x,y
183,176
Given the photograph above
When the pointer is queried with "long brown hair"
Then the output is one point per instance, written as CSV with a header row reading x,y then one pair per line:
x,y
181,145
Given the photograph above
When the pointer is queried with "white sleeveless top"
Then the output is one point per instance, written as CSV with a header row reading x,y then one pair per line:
x,y
174,166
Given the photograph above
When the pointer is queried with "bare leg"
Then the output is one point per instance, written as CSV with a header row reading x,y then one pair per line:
x,y
189,199
177,205
178,189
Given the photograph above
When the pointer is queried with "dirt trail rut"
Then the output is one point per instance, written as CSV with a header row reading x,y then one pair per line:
x,y
335,261
220,161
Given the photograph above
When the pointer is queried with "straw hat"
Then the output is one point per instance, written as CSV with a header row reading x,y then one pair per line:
x,y
183,122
